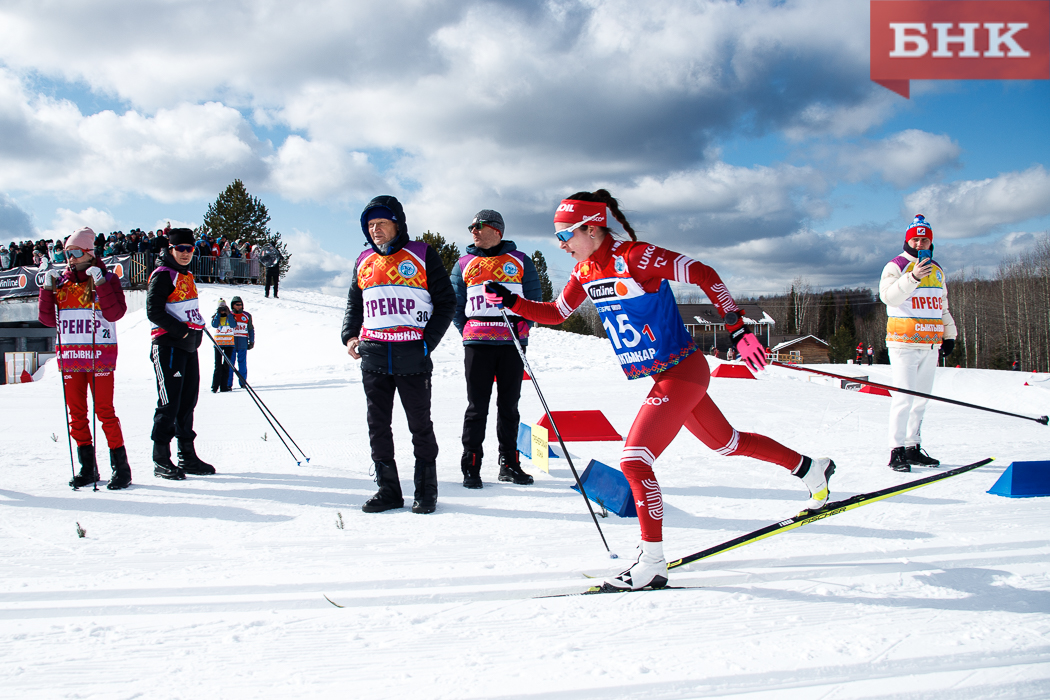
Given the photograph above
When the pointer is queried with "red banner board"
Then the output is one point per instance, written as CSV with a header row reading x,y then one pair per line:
x,y
958,40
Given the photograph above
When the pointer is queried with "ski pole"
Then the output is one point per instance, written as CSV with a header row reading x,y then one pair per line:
x,y
65,397
261,405
1042,420
94,395
557,434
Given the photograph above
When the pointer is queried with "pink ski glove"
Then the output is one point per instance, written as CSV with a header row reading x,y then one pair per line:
x,y
751,351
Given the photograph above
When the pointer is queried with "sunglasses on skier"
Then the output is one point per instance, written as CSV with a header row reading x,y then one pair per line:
x,y
478,225
566,234
75,253
184,248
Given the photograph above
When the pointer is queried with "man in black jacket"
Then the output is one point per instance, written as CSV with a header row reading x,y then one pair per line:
x,y
178,328
399,306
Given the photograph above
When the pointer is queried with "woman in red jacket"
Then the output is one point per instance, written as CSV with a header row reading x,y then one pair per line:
x,y
628,283
90,301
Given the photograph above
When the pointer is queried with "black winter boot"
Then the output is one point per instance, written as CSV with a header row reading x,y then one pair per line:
x,y
471,466
88,469
898,462
510,470
121,479
426,488
162,464
918,457
389,495
189,462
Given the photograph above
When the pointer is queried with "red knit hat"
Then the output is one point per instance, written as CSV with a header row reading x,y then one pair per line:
x,y
919,229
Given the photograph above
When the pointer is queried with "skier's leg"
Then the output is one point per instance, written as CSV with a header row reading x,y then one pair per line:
x,y
708,423
479,367
103,400
76,400
379,412
509,371
414,390
925,366
903,363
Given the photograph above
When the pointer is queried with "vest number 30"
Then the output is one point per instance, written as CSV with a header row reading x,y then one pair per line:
x,y
631,336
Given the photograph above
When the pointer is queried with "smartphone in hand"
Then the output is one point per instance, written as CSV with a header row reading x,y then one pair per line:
x,y
925,255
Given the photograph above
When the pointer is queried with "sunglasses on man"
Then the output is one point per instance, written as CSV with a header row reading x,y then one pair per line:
x,y
478,225
566,234
183,248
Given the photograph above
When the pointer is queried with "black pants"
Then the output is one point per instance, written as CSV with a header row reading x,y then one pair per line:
x,y
414,390
220,377
482,363
273,276
178,383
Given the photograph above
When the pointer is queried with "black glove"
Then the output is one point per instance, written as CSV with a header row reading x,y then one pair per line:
x,y
497,294
947,345
251,345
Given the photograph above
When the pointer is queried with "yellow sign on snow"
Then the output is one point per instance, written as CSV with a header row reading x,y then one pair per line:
x,y
540,456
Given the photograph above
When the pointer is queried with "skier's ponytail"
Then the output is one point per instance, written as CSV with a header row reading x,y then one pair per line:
x,y
608,200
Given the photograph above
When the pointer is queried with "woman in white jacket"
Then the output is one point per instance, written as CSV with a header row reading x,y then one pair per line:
x,y
919,329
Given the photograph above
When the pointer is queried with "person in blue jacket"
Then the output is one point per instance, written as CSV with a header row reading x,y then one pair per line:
x,y
244,340
488,346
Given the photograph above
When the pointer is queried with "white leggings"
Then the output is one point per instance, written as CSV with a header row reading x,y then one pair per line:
x,y
912,369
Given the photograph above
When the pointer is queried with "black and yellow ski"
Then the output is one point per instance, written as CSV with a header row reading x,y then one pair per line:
x,y
833,508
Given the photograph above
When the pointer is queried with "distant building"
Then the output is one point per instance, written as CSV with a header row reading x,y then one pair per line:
x,y
707,329
809,350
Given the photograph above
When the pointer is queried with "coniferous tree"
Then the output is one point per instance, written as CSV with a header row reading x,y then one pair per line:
x,y
848,321
826,317
238,216
448,251
545,280
792,321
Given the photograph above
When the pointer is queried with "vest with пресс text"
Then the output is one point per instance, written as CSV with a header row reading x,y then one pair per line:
x,y
919,320
395,299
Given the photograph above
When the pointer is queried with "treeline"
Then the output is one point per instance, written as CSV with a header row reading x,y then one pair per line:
x,y
1000,320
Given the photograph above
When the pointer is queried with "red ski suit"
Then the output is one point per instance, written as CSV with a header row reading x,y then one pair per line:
x,y
627,282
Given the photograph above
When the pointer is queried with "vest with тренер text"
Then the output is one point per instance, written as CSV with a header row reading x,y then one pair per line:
x,y
87,341
920,319
182,303
484,321
395,300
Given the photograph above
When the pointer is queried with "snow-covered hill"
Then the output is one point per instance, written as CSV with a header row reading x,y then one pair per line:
x,y
212,587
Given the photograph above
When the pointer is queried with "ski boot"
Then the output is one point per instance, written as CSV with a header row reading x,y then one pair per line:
x,y
389,495
510,470
190,463
88,469
648,571
426,488
121,479
815,474
898,462
162,464
470,464
918,457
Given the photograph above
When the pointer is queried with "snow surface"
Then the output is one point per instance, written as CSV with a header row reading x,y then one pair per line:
x,y
212,587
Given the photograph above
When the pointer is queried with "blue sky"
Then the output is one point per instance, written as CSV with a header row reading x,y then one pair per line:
x,y
742,133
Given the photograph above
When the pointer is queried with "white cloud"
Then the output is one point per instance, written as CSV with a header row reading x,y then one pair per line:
x,y
320,171
313,267
969,208
901,159
67,222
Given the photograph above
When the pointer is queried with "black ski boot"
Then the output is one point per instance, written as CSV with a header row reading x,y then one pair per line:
x,y
918,457
426,488
471,466
898,462
190,463
88,469
121,479
510,470
389,495
162,464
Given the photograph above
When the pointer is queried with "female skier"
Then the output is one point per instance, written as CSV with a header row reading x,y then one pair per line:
x,y
628,283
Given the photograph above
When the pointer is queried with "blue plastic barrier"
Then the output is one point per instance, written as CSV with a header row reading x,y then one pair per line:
x,y
1023,480
608,488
